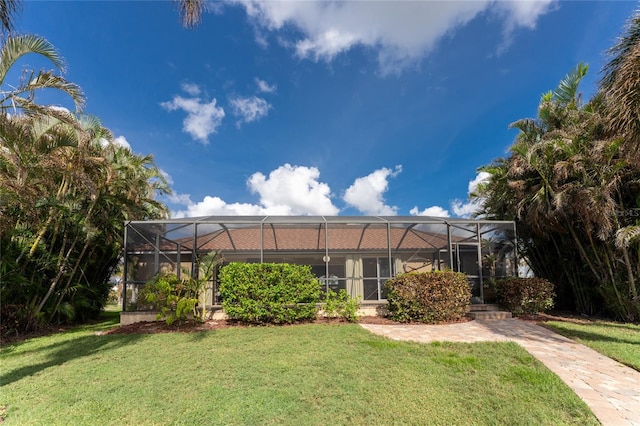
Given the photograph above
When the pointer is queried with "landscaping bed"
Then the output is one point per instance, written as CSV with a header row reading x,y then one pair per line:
x,y
150,327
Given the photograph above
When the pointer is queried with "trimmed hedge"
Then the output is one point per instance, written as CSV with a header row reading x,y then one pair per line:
x,y
263,293
428,297
525,295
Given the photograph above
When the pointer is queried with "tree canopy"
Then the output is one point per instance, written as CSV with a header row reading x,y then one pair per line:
x,y
66,189
571,182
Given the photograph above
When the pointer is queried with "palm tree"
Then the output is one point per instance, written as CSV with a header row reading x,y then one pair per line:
x,y
66,194
620,86
66,191
565,183
8,11
21,97
120,186
190,12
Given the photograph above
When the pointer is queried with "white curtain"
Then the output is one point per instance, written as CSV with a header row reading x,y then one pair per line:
x,y
399,268
355,286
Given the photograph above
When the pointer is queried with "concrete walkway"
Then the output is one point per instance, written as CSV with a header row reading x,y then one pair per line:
x,y
610,389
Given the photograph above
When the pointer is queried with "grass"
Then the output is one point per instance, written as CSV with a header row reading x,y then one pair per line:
x,y
309,374
620,341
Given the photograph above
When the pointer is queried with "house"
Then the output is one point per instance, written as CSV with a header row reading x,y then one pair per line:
x,y
355,253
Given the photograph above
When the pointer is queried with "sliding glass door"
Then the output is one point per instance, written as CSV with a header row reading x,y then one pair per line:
x,y
376,271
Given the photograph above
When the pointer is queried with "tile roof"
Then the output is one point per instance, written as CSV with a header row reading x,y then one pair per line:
x,y
340,237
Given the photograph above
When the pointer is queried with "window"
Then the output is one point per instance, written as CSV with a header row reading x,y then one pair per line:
x,y
376,272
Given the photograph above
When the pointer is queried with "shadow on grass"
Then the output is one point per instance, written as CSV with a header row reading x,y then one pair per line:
x,y
68,350
588,336
622,326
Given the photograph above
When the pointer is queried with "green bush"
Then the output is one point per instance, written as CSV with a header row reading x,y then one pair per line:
x,y
340,305
262,293
428,297
175,298
525,295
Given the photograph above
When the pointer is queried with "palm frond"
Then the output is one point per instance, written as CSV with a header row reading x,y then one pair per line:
x,y
546,97
17,46
190,12
567,90
23,97
621,87
8,10
621,51
49,80
624,236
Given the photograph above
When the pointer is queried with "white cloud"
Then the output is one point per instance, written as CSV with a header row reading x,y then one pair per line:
x,y
121,141
180,199
435,211
366,193
58,108
293,190
525,13
190,88
462,209
249,109
401,32
288,190
520,14
167,177
264,87
214,206
203,118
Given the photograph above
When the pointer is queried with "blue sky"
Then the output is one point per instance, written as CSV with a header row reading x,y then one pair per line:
x,y
322,107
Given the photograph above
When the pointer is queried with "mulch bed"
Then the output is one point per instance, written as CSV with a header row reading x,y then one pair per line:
x,y
151,327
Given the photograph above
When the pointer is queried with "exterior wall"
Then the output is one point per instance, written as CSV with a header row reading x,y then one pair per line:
x,y
132,317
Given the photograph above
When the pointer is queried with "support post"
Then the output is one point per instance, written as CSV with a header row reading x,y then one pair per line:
x,y
125,266
449,245
480,277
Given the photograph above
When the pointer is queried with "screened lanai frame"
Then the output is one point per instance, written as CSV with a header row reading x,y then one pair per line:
x,y
355,253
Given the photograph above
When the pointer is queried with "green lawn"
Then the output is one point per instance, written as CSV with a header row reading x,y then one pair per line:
x,y
619,341
309,374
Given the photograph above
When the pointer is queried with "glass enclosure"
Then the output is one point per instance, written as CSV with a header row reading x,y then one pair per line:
x,y
355,253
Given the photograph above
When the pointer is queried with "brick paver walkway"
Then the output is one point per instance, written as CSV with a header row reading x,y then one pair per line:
x,y
611,390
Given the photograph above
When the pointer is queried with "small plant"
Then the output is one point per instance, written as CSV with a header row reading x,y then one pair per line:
x,y
12,316
340,305
525,295
174,297
207,268
113,297
177,298
262,293
428,297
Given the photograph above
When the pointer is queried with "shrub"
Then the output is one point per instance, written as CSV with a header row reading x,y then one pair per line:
x,y
11,319
175,298
428,297
262,293
341,305
525,295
